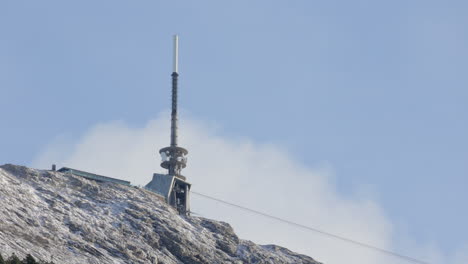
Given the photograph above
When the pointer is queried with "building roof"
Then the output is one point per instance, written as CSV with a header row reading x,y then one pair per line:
x,y
93,176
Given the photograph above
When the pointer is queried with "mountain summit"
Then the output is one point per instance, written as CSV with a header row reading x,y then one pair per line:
x,y
65,218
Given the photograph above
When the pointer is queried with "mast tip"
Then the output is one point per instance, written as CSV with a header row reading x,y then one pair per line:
x,y
176,54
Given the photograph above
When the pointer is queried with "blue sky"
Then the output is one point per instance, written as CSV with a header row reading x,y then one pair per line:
x,y
374,89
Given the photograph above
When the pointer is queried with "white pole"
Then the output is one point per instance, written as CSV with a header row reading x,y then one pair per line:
x,y
176,54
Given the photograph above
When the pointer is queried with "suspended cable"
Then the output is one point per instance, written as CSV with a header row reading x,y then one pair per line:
x,y
342,238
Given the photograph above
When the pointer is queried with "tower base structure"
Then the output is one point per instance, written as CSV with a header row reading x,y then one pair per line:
x,y
175,190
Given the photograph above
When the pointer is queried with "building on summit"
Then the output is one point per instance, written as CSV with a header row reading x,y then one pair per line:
x,y
91,176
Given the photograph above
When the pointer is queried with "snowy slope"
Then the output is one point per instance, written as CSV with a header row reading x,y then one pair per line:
x,y
69,219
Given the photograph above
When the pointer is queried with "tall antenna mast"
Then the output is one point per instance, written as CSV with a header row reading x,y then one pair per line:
x,y
175,76
173,185
174,156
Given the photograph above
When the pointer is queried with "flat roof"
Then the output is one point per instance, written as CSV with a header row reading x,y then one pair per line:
x,y
93,176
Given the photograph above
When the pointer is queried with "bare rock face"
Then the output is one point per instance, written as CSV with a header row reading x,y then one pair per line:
x,y
68,219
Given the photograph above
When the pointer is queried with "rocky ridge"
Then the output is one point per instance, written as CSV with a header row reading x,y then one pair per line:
x,y
68,219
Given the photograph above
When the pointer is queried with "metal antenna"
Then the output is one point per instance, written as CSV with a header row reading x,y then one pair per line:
x,y
176,54
174,156
175,75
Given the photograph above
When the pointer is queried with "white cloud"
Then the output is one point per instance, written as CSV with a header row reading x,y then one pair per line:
x,y
259,176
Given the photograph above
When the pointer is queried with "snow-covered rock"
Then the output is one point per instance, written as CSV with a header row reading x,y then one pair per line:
x,y
68,219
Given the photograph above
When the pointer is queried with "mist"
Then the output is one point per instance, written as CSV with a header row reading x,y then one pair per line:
x,y
258,175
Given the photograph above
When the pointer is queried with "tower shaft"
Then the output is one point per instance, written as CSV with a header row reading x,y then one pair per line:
x,y
174,118
175,76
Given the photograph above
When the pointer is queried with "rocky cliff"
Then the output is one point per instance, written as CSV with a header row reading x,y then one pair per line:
x,y
69,219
